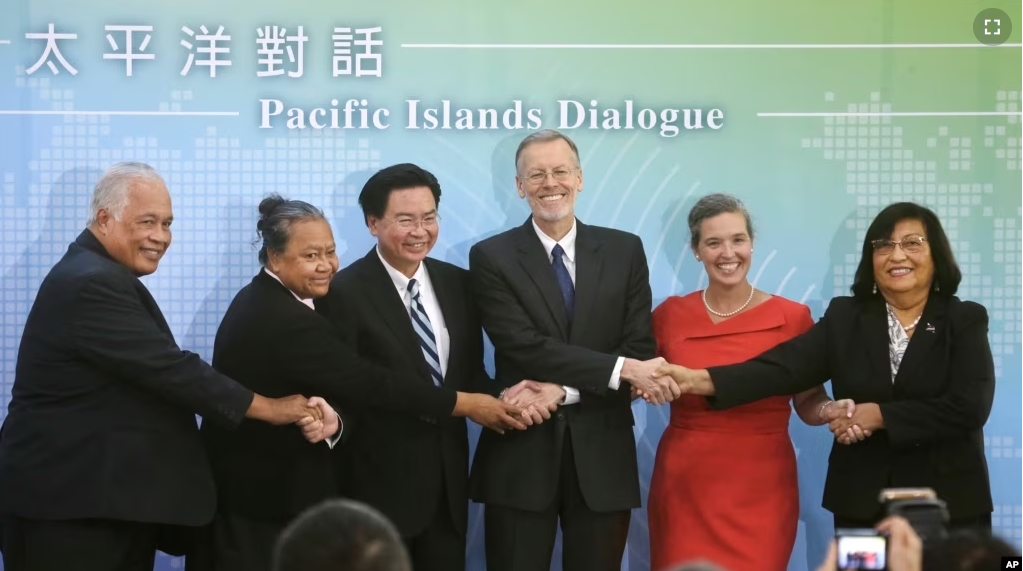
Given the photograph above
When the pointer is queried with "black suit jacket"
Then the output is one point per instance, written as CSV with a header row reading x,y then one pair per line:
x,y
524,316
398,462
276,345
934,412
101,421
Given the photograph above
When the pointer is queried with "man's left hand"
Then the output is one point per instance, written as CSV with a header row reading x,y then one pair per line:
x,y
537,400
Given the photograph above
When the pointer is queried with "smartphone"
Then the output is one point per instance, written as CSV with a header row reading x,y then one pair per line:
x,y
861,550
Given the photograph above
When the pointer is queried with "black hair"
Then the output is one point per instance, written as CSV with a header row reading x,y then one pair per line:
x,y
946,272
340,534
377,190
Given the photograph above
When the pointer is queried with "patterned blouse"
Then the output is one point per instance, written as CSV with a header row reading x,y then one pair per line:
x,y
898,340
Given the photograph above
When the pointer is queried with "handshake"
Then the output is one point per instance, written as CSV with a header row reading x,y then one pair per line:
x,y
532,402
314,416
517,408
659,382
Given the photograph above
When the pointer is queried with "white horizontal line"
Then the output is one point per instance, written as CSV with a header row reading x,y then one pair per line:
x,y
899,114
132,113
697,46
5,41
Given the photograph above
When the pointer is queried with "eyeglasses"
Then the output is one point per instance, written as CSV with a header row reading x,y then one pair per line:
x,y
412,223
910,245
559,174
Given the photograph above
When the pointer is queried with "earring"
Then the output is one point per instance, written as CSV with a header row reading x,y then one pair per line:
x,y
937,287
875,288
698,259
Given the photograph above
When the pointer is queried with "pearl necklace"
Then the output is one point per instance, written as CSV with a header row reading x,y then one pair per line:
x,y
911,326
752,290
906,328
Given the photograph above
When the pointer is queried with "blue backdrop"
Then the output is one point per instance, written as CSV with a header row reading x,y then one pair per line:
x,y
817,137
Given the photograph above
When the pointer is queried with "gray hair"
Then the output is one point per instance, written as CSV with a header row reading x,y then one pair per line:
x,y
111,191
276,215
545,136
712,205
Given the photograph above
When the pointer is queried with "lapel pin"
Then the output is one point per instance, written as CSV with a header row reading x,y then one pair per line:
x,y
930,328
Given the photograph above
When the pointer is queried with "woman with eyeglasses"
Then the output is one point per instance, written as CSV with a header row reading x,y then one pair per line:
x,y
915,359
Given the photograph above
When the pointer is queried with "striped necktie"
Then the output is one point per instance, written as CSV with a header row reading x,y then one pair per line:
x,y
421,324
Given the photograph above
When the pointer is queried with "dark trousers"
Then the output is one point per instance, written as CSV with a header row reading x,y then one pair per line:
x,y
234,543
81,545
440,546
518,540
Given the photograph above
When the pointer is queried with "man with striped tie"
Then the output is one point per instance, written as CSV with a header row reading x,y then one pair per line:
x,y
414,314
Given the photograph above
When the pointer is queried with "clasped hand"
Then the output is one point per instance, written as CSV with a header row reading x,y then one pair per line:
x,y
659,382
652,380
525,404
666,382
319,429
314,416
535,399
852,423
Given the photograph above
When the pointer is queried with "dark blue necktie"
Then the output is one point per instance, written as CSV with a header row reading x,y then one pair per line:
x,y
564,280
421,324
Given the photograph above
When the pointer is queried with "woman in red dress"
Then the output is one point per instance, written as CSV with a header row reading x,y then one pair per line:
x,y
724,484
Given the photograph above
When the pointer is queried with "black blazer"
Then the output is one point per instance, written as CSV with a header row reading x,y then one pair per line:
x,y
398,462
277,346
934,412
524,316
101,421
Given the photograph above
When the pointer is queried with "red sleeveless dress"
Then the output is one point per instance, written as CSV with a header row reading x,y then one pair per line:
x,y
724,485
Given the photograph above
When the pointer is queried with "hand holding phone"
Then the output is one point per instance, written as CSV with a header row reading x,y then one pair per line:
x,y
905,549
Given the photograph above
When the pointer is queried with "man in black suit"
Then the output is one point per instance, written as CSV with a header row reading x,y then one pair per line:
x,y
100,458
273,340
568,304
414,315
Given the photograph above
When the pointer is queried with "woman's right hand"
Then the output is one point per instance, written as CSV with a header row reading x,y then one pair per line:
x,y
844,408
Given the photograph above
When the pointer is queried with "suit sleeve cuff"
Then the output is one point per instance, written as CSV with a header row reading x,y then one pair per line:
x,y
616,375
332,441
571,395
235,410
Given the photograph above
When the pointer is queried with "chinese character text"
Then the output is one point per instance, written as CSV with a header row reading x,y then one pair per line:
x,y
129,55
211,49
51,38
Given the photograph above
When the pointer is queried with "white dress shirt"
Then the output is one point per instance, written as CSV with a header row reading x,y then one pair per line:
x,y
309,303
568,245
428,296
